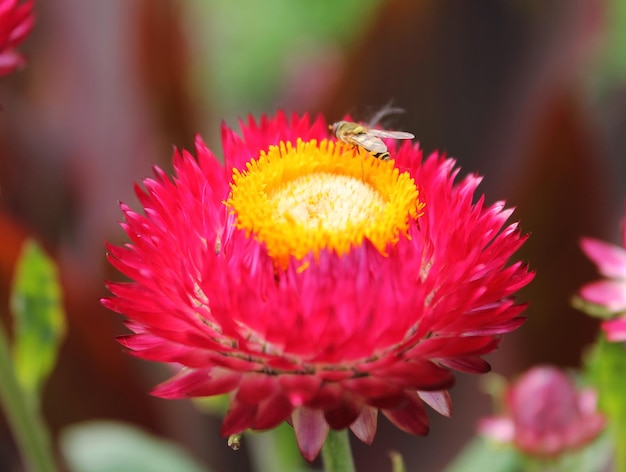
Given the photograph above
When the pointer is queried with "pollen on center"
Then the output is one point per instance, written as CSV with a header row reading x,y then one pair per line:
x,y
326,202
310,197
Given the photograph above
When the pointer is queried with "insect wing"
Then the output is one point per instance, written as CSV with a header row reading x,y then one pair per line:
x,y
383,133
368,141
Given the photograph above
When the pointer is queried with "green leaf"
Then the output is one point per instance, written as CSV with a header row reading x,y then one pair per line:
x,y
610,60
592,309
481,455
216,405
39,320
596,455
275,449
606,367
107,446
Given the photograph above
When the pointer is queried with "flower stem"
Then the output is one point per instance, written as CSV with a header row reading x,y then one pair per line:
x,y
336,452
276,449
23,416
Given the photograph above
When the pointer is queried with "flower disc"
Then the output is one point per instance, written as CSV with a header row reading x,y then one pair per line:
x,y
309,197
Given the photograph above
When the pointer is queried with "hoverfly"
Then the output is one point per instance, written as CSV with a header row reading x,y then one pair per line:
x,y
367,138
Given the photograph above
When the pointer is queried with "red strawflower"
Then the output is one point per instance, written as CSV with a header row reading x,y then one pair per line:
x,y
16,21
546,414
608,294
309,280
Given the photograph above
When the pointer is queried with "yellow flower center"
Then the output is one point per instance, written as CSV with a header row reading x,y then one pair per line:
x,y
315,196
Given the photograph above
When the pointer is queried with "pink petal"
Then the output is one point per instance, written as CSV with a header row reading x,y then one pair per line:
x,y
256,387
499,429
610,259
197,383
419,374
439,401
329,396
344,414
238,418
441,347
300,388
615,329
272,412
24,21
10,60
311,430
365,425
588,401
410,417
374,387
150,347
608,293
469,364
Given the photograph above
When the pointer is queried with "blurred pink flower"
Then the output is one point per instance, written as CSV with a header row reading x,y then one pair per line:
x,y
545,414
315,283
609,293
16,21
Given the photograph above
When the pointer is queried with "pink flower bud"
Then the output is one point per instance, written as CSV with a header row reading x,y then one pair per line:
x,y
546,414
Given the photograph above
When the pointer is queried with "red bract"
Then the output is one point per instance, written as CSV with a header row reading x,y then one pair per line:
x,y
324,340
16,21
608,294
546,414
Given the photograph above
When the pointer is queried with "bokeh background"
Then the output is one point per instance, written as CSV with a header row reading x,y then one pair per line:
x,y
531,94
